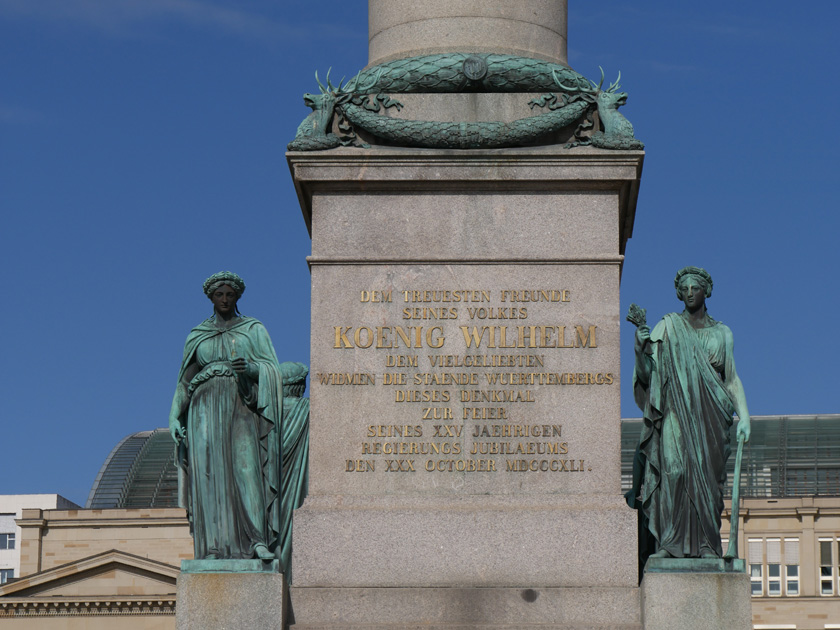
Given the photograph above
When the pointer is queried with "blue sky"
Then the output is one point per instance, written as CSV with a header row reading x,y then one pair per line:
x,y
142,149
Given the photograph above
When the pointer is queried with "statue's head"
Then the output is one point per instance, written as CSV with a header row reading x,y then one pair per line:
x,y
224,289
224,277
294,378
697,274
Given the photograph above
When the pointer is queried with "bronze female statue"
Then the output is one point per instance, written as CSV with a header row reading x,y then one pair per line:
x,y
226,419
686,384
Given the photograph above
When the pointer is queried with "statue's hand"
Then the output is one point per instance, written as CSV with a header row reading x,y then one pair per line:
x,y
246,368
744,428
642,337
176,430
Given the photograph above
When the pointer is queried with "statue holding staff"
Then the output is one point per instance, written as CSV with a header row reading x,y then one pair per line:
x,y
686,384
226,418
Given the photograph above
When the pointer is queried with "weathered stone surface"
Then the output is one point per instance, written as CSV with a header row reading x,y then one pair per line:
x,y
523,608
229,601
368,173
467,225
687,601
479,541
535,28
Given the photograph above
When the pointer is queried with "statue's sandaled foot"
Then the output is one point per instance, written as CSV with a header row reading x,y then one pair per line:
x,y
211,556
662,553
263,553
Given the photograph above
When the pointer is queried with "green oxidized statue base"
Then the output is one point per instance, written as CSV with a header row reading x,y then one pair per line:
x,y
570,99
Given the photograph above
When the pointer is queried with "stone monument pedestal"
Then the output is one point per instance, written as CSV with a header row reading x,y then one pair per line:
x,y
231,594
465,443
689,593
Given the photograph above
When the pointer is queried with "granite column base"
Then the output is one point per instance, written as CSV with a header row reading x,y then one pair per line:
x,y
684,594
229,601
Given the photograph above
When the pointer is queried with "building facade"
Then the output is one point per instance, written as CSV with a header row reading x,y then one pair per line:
x,y
11,509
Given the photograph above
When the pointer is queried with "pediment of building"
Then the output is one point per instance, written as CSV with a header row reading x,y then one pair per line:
x,y
109,575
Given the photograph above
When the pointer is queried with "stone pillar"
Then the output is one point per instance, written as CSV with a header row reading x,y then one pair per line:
x,y
808,551
685,594
465,411
31,525
230,594
529,28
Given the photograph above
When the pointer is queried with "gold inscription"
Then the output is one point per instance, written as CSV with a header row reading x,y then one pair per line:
x,y
497,395
460,465
376,296
411,448
346,378
519,448
446,296
360,465
536,296
544,465
402,360
485,413
451,391
394,430
517,430
347,337
528,337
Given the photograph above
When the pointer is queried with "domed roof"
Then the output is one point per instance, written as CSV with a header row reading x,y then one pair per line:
x,y
139,472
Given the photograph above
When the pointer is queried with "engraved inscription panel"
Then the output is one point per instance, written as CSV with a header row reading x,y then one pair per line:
x,y
463,379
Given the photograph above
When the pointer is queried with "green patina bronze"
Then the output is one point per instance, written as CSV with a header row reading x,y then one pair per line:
x,y
238,431
295,482
358,106
686,384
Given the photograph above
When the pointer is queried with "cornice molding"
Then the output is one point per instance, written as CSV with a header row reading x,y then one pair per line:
x,y
84,607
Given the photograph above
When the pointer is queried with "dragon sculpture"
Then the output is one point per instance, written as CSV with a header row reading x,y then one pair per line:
x,y
568,98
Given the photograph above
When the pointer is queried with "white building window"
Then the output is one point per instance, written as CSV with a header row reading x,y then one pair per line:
x,y
7,541
828,565
774,566
791,567
6,575
756,560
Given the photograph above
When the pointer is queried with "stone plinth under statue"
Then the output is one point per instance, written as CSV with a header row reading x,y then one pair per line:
x,y
231,594
677,593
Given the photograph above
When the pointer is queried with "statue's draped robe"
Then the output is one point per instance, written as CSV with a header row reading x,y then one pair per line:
x,y
232,455
685,438
295,469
